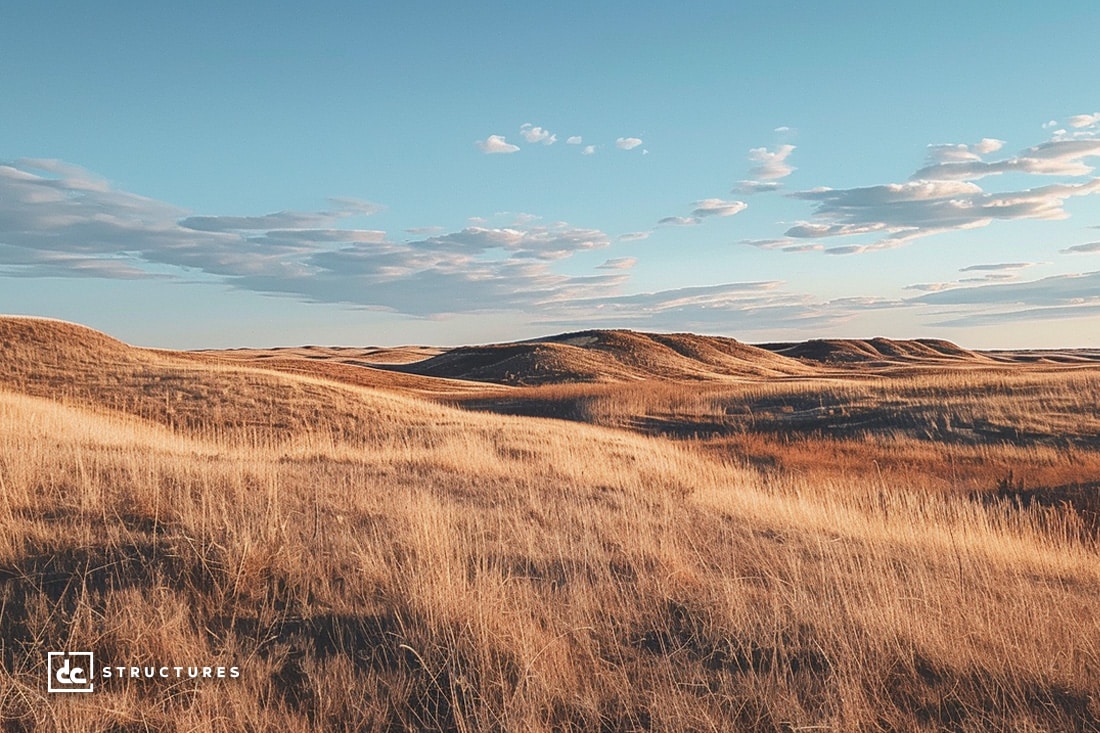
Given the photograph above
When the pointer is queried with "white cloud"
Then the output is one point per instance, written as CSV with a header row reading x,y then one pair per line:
x,y
1053,158
920,208
627,143
770,165
951,153
718,207
589,150
959,152
1079,121
573,140
533,134
988,145
634,236
496,144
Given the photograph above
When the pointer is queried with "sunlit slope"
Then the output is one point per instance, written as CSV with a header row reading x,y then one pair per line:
x,y
77,365
608,356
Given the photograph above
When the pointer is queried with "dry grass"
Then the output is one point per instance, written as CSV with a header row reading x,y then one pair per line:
x,y
947,429
377,562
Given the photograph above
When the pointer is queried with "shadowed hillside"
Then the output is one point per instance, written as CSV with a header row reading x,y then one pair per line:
x,y
876,351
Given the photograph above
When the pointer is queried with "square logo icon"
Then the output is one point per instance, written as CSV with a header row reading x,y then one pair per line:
x,y
71,671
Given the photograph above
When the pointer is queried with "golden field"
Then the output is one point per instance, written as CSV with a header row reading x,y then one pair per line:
x,y
716,540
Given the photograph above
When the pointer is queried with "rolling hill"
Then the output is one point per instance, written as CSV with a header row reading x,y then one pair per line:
x,y
877,352
607,356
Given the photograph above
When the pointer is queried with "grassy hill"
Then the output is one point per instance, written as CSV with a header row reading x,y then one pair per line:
x,y
377,561
606,356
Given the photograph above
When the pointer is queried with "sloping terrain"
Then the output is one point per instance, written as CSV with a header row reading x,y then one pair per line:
x,y
78,366
607,356
1046,356
344,354
877,351
339,367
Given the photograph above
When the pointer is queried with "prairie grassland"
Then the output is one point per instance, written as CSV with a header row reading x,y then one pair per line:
x,y
953,429
379,562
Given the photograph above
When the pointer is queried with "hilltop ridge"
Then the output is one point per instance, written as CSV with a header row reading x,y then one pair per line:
x,y
606,356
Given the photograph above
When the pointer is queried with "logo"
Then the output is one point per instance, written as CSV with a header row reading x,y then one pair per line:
x,y
71,671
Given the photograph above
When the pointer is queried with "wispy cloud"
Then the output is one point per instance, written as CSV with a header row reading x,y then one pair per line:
x,y
76,225
574,140
680,221
496,144
907,211
703,209
998,267
718,207
988,273
627,143
750,187
588,150
1087,248
1052,158
1051,298
618,263
786,245
422,231
1049,291
743,306
960,152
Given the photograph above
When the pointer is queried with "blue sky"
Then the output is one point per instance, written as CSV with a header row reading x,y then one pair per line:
x,y
272,173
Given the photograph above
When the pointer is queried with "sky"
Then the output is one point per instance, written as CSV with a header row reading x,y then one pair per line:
x,y
260,174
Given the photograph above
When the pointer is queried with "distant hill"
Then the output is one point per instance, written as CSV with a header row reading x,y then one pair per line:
x,y
606,356
880,351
